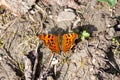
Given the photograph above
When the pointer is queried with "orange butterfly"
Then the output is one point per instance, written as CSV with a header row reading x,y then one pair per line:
x,y
57,43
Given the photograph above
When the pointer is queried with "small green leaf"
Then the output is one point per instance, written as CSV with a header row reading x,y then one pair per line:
x,y
110,2
85,34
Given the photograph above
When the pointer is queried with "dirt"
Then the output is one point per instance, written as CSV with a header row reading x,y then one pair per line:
x,y
24,57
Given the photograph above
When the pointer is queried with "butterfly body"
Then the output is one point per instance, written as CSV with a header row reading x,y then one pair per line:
x,y
59,43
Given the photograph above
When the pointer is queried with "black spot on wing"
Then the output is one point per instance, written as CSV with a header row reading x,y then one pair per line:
x,y
52,39
67,39
68,35
49,36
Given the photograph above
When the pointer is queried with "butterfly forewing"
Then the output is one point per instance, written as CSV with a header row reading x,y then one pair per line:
x,y
51,41
68,41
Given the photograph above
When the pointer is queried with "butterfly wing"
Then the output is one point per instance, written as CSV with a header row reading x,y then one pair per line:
x,y
68,41
51,41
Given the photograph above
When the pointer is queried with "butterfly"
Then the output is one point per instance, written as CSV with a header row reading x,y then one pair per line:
x,y
59,43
